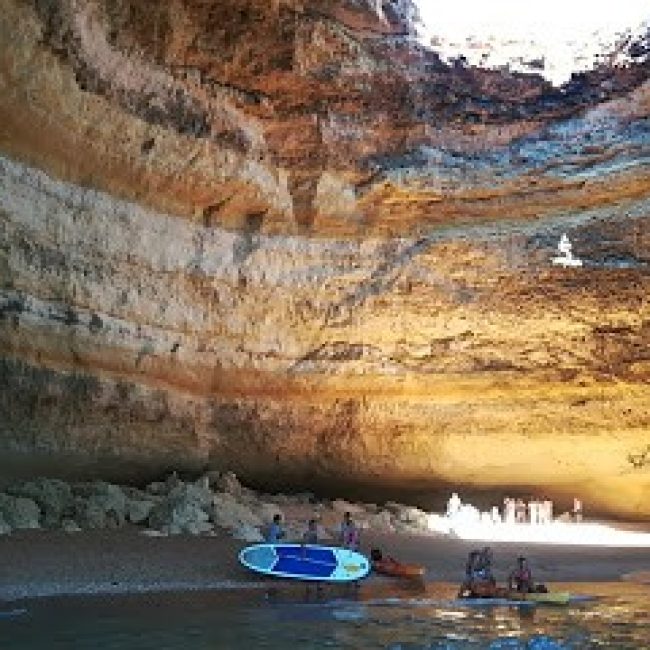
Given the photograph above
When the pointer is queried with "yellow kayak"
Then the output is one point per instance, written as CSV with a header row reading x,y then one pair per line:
x,y
551,598
514,599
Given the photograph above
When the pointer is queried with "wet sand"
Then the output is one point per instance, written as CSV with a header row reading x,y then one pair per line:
x,y
48,563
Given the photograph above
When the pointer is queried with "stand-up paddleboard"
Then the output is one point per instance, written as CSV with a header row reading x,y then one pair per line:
x,y
308,562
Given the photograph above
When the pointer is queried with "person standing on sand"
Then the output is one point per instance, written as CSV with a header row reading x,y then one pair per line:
x,y
509,510
275,531
549,511
349,534
520,511
577,510
467,586
453,505
310,536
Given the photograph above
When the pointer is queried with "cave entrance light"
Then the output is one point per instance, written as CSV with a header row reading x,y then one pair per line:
x,y
557,37
555,533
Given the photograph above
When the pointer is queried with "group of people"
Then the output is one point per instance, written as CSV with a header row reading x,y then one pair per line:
x,y
535,511
349,536
479,580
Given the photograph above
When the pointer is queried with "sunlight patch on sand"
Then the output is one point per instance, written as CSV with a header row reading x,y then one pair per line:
x,y
557,532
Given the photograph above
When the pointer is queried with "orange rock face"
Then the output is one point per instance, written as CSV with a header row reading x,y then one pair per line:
x,y
283,238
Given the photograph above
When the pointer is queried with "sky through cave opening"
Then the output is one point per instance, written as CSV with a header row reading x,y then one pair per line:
x,y
555,38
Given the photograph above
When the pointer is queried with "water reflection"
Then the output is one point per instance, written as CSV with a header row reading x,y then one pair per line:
x,y
377,617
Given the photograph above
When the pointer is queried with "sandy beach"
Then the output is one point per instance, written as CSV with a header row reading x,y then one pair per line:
x,y
50,563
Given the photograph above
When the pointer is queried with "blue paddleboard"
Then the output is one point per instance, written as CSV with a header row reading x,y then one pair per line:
x,y
308,562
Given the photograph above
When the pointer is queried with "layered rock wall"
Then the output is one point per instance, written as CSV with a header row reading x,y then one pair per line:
x,y
290,242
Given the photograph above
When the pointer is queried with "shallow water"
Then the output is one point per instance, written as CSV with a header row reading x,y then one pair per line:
x,y
373,618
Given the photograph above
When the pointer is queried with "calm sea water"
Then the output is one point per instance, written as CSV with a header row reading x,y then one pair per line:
x,y
618,618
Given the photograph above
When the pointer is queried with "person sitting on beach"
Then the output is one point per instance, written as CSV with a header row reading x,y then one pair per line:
x,y
349,534
466,589
376,556
310,536
275,531
479,581
521,577
483,566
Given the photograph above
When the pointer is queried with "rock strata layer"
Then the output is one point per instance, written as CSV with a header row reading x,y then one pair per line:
x,y
283,238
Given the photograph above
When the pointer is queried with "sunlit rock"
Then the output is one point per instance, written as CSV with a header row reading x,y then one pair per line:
x,y
295,244
228,513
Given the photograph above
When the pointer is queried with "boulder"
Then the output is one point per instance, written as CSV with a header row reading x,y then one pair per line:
x,y
394,507
228,513
411,516
381,521
112,500
229,484
70,526
19,512
249,497
89,514
176,517
135,493
200,528
407,529
163,488
192,493
170,530
5,528
304,498
212,477
341,506
280,499
184,510
53,497
266,511
157,488
248,534
82,489
138,510
172,482
99,505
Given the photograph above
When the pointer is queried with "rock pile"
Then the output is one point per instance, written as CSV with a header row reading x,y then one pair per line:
x,y
200,507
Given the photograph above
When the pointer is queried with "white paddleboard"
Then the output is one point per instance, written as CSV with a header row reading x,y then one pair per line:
x,y
306,562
